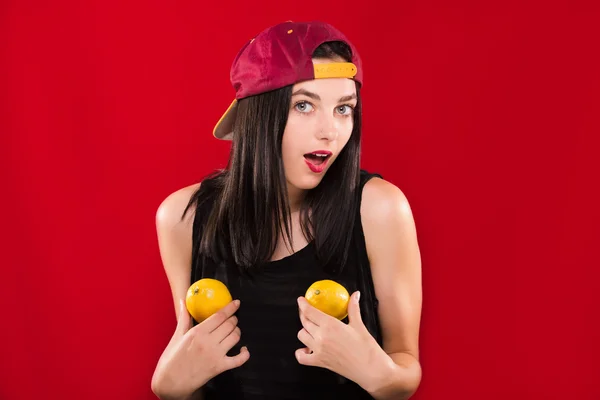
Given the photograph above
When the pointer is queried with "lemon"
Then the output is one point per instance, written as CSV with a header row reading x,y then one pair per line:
x,y
205,297
329,297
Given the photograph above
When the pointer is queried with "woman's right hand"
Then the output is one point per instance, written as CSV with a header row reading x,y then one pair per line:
x,y
194,356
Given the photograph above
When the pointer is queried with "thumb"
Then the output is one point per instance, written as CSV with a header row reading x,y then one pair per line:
x,y
184,319
354,317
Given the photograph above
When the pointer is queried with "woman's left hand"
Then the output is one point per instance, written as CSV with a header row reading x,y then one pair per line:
x,y
347,349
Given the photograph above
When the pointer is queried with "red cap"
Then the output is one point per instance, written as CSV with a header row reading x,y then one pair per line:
x,y
279,56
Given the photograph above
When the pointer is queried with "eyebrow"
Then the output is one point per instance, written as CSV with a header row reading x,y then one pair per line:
x,y
316,96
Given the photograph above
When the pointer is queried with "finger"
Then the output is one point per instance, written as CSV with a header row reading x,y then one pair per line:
x,y
306,357
315,316
184,319
354,317
306,338
225,329
215,320
308,324
231,340
238,360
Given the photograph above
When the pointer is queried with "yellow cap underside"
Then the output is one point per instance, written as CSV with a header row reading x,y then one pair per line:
x,y
335,70
223,117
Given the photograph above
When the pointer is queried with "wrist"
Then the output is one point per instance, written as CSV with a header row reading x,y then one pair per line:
x,y
165,391
380,376
397,378
191,396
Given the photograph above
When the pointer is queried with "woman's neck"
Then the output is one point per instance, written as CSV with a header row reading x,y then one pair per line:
x,y
296,198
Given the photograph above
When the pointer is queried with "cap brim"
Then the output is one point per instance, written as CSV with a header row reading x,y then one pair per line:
x,y
224,128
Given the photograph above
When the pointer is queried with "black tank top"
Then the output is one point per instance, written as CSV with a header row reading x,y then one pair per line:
x,y
269,322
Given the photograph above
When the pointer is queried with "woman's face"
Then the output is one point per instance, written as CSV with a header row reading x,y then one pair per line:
x,y
320,120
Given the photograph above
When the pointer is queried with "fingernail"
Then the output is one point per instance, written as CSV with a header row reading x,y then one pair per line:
x,y
236,302
357,296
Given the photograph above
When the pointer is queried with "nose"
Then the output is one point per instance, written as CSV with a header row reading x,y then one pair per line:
x,y
328,129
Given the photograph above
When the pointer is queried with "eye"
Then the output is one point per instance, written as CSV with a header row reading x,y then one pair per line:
x,y
346,109
303,107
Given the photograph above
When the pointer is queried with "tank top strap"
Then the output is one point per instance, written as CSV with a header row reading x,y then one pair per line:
x,y
200,265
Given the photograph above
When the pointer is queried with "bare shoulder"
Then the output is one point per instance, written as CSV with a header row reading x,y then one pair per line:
x,y
389,228
174,235
384,206
171,209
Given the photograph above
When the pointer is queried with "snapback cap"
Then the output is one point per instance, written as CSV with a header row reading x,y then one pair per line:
x,y
279,56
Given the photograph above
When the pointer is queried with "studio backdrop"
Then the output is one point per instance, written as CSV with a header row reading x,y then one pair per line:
x,y
485,114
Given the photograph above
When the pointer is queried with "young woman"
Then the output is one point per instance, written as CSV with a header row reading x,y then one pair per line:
x,y
293,207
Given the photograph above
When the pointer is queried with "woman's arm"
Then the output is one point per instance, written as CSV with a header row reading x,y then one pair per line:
x,y
394,255
175,241
175,246
195,354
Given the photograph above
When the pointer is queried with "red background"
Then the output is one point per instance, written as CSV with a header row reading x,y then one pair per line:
x,y
484,114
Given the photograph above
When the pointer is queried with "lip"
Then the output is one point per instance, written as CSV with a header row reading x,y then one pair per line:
x,y
326,152
318,168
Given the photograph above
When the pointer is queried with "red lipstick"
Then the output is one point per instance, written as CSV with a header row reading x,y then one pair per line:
x,y
317,160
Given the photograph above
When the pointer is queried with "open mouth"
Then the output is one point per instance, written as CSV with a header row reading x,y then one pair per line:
x,y
317,159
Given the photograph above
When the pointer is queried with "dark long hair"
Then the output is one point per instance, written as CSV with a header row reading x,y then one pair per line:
x,y
249,202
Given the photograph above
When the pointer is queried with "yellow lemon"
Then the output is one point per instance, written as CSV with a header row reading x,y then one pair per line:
x,y
205,297
329,297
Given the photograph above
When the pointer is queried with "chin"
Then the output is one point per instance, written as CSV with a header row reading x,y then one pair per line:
x,y
307,181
